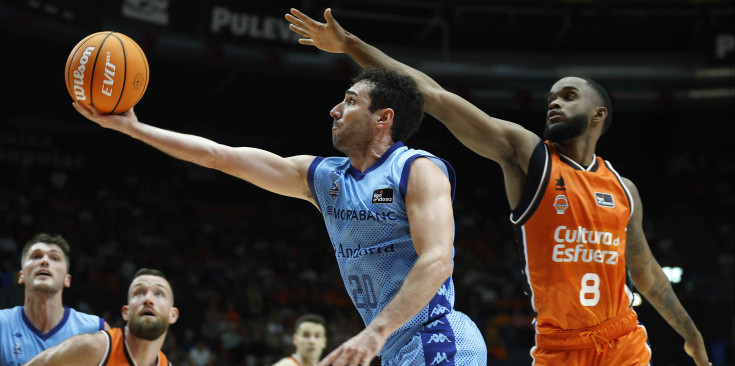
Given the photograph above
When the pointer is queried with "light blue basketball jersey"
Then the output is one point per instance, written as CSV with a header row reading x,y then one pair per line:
x,y
366,219
20,340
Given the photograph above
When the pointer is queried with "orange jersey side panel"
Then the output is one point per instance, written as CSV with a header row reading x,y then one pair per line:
x,y
573,238
117,354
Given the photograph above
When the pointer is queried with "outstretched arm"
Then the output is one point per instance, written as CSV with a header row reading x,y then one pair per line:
x,y
429,208
79,350
502,141
655,286
285,176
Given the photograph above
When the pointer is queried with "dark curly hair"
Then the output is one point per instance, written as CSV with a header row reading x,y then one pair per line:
x,y
400,92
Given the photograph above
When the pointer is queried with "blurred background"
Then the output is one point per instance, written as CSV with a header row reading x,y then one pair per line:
x,y
245,263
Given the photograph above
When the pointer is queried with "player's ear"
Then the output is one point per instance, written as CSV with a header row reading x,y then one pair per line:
x,y
125,312
386,115
20,277
173,315
67,280
600,115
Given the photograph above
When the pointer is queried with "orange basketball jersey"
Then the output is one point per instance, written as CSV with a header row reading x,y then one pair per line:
x,y
571,225
117,351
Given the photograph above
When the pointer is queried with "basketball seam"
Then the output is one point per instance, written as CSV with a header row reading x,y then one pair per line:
x,y
94,66
68,72
125,74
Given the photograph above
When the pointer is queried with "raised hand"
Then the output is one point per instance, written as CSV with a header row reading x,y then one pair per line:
x,y
329,36
118,122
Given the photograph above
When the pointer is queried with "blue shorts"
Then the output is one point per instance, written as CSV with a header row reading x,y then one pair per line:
x,y
451,340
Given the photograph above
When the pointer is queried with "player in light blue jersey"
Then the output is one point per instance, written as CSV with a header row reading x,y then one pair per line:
x,y
43,321
388,211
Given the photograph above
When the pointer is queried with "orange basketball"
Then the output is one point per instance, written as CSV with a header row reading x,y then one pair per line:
x,y
107,70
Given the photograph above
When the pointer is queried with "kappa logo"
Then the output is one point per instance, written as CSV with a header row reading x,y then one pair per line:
x,y
383,195
561,204
604,199
438,338
17,350
441,357
438,309
434,323
334,191
442,291
560,184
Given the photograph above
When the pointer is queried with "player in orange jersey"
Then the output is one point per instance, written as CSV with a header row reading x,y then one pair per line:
x,y
149,312
579,222
310,339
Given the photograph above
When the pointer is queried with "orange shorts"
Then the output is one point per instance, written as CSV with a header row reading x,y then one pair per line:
x,y
618,341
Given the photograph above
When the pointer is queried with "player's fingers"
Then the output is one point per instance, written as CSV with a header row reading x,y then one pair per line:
x,y
364,360
83,110
91,108
326,361
346,357
307,41
330,19
298,30
296,22
301,16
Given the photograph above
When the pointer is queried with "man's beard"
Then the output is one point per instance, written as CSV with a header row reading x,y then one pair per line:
x,y
573,127
351,138
146,328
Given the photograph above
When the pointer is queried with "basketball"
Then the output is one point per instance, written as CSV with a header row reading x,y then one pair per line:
x,y
107,70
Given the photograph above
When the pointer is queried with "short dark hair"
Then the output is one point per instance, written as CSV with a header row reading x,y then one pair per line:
x,y
400,92
602,93
153,272
48,239
309,318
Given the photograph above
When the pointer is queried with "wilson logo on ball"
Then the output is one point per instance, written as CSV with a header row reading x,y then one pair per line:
x,y
107,70
79,92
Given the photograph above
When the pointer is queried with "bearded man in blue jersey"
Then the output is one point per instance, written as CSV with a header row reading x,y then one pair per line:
x,y
387,209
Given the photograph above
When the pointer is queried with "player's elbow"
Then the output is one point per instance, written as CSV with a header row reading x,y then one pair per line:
x,y
441,267
217,158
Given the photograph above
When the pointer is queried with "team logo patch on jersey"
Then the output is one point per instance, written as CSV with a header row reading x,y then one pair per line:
x,y
560,184
561,203
604,199
383,195
334,191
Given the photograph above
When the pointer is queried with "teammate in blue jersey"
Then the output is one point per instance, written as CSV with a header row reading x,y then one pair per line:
x,y
43,321
388,211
